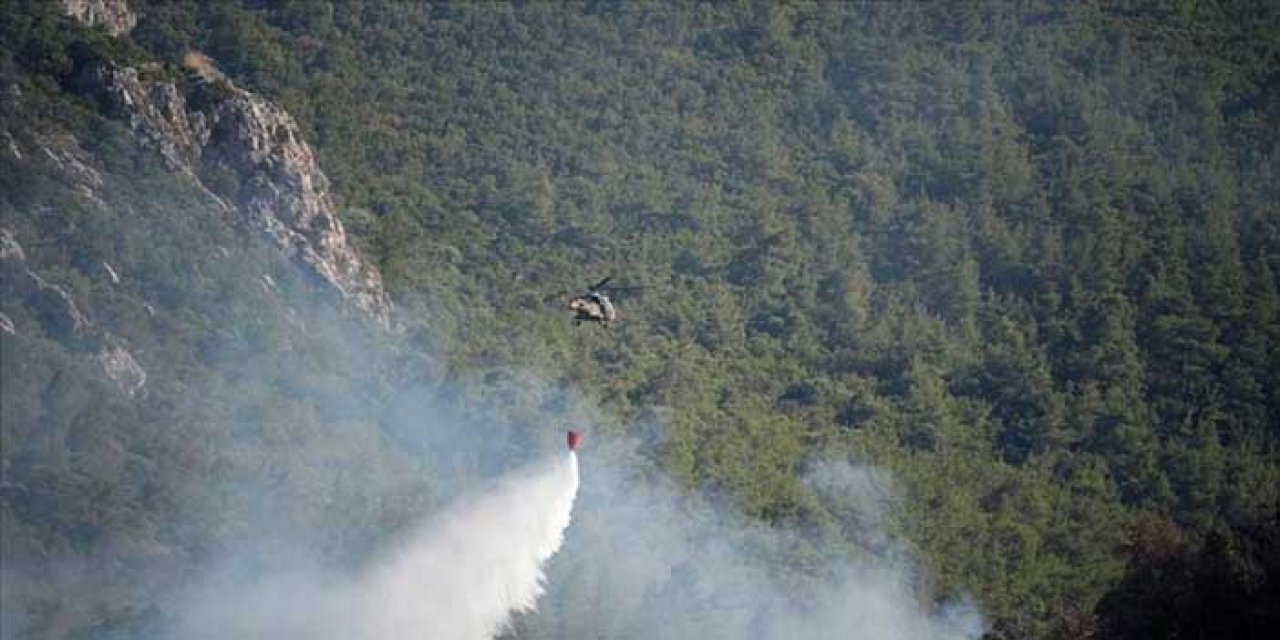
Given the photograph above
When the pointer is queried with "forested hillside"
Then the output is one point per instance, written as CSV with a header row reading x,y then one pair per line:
x,y
1023,257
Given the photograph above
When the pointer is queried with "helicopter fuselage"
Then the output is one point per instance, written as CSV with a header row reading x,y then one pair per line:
x,y
593,307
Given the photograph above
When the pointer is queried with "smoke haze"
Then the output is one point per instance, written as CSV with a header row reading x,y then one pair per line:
x,y
642,559
460,575
661,565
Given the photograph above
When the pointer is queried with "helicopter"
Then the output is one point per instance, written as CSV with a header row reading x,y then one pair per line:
x,y
594,305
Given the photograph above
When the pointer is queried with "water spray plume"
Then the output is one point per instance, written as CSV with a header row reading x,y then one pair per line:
x,y
458,576
466,572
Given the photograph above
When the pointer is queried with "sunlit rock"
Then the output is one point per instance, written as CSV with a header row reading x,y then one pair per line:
x,y
113,15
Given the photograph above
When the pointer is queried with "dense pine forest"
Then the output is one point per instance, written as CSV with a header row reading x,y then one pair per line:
x,y
1020,257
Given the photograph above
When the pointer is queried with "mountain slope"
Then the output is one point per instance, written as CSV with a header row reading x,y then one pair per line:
x,y
1023,257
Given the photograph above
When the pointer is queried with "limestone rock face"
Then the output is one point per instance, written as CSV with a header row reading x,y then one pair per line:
x,y
9,248
156,112
245,152
113,15
283,193
118,365
248,155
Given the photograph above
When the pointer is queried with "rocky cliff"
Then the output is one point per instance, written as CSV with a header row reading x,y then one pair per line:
x,y
113,15
247,154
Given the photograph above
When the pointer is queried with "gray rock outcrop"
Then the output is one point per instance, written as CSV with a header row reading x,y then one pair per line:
x,y
248,155
113,15
245,152
118,365
156,112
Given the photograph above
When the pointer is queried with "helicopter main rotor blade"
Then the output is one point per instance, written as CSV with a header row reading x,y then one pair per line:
x,y
602,283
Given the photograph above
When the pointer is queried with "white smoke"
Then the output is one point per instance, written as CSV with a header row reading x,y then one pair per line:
x,y
459,576
677,568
